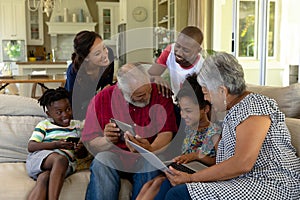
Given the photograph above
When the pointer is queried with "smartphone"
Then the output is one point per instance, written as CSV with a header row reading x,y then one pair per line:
x,y
123,128
73,139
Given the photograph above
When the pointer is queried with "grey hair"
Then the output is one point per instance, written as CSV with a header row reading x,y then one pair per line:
x,y
222,69
131,76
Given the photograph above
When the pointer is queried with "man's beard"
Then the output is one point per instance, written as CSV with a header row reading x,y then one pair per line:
x,y
135,103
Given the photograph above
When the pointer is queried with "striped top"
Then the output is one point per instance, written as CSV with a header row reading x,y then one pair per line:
x,y
46,131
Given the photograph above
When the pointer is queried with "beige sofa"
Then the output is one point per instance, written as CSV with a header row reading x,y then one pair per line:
x,y
19,115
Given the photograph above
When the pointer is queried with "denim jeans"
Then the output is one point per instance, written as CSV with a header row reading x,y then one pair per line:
x,y
105,178
168,192
164,188
178,192
140,178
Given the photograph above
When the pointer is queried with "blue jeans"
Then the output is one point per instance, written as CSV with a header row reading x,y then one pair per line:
x,y
178,192
139,179
167,192
105,178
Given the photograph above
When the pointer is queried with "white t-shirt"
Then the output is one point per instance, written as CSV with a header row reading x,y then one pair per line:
x,y
177,72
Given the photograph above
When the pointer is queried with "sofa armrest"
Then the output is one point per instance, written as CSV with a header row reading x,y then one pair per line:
x,y
293,125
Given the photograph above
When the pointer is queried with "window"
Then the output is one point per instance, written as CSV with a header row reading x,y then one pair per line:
x,y
249,24
271,31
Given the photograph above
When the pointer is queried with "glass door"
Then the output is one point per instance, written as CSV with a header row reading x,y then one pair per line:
x,y
263,35
109,19
247,29
35,31
34,25
106,24
257,41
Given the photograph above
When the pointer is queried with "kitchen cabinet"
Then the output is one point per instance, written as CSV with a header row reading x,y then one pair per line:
x,y
35,28
170,17
108,21
12,19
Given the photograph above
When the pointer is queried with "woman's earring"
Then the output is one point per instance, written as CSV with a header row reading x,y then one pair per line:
x,y
225,102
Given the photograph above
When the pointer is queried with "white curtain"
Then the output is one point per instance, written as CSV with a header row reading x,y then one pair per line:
x,y
200,16
195,18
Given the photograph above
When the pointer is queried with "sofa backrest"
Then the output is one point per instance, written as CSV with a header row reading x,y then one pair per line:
x,y
18,118
293,125
12,105
288,98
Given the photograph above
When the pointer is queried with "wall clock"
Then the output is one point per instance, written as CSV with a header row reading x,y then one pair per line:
x,y
139,14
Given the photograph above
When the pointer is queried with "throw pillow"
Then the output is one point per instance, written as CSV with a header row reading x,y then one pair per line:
x,y
14,135
14,105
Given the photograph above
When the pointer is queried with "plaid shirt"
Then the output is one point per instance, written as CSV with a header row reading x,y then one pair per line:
x,y
276,172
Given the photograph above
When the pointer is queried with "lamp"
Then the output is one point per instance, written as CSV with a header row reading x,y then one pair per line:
x,y
47,5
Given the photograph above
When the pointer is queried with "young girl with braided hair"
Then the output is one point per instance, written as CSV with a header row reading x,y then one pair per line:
x,y
51,156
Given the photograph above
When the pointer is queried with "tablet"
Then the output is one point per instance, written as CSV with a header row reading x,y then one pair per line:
x,y
190,167
150,157
123,128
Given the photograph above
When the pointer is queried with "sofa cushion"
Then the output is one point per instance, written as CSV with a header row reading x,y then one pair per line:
x,y
16,184
15,132
288,98
19,105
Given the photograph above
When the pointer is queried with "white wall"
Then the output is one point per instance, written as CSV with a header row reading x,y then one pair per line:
x,y
222,25
290,32
139,34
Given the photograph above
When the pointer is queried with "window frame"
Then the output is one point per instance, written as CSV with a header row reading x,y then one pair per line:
x,y
257,25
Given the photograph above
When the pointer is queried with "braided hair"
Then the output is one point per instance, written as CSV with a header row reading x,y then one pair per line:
x,y
52,95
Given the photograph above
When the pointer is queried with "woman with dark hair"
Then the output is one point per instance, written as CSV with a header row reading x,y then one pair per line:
x,y
92,69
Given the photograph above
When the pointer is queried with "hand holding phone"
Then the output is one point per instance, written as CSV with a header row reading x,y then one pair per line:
x,y
123,128
73,139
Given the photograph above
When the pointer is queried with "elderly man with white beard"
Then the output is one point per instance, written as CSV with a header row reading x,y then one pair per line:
x,y
135,101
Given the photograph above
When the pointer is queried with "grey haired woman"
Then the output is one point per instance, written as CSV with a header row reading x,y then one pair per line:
x,y
255,157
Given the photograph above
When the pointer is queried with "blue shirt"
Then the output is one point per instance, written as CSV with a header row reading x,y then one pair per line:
x,y
71,76
87,88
